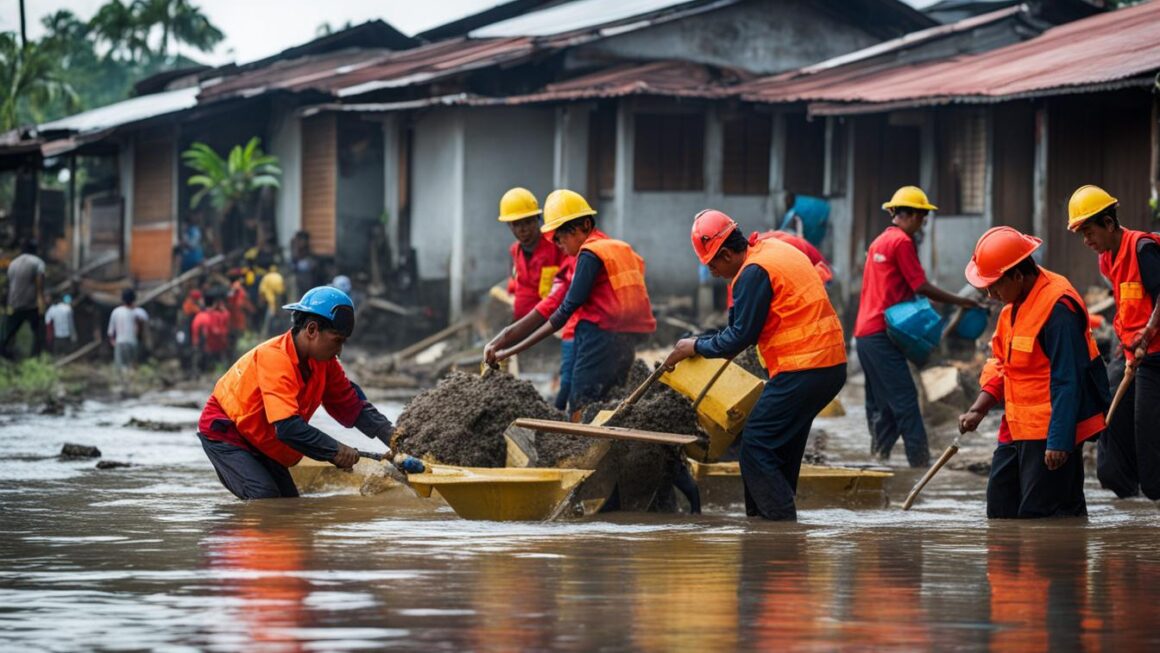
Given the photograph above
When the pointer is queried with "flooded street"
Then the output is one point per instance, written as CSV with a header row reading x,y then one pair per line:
x,y
159,556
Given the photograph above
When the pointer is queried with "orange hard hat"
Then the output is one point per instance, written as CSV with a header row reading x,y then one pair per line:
x,y
998,250
710,229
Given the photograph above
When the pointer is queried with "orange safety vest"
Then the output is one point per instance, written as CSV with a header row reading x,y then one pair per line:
x,y
619,299
1026,370
1133,304
802,331
265,386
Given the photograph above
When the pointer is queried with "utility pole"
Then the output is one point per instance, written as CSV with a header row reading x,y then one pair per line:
x,y
23,30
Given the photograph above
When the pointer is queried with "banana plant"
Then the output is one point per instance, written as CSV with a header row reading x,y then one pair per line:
x,y
232,184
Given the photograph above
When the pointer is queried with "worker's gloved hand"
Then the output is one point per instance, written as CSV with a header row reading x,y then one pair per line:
x,y
1055,459
969,421
685,348
346,457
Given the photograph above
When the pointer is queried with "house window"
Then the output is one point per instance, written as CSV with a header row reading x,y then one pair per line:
x,y
745,169
805,155
669,152
962,162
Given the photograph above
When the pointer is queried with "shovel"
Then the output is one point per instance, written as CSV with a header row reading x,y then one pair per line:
x,y
1129,374
942,460
520,437
396,468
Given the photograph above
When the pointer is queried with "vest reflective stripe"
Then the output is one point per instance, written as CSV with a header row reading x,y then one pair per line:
x,y
1133,305
619,300
801,331
1026,368
270,371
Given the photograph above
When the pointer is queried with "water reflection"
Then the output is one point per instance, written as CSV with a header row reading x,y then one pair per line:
x,y
262,569
158,557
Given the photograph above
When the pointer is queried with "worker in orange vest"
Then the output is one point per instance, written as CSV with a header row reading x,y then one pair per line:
x,y
535,259
254,425
892,275
780,305
607,294
1128,457
1048,373
816,259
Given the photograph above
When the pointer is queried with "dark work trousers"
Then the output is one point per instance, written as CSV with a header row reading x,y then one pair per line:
x,y
602,360
1022,487
567,358
1128,453
774,438
891,400
12,324
247,474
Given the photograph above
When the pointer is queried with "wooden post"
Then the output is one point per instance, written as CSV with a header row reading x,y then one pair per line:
x,y
1039,181
1154,172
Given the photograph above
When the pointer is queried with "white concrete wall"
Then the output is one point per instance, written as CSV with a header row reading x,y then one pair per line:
x,y
765,37
505,147
286,144
435,179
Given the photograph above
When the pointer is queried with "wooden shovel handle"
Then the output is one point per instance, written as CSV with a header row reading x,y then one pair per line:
x,y
638,393
1129,374
942,460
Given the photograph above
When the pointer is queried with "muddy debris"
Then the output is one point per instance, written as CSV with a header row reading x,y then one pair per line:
x,y
646,471
749,361
157,425
113,464
53,406
461,421
72,450
815,453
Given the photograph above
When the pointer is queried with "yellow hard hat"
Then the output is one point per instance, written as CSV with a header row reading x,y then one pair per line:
x,y
910,197
517,204
562,206
1087,202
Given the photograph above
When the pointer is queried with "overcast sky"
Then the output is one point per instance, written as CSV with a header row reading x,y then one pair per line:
x,y
258,28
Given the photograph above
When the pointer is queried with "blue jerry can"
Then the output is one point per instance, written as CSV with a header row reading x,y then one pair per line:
x,y
915,327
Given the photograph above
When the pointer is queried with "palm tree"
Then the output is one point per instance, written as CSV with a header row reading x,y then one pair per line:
x,y
232,184
116,24
180,21
30,81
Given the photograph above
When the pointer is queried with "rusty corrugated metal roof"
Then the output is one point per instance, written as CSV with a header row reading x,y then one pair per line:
x,y
1112,49
667,78
350,72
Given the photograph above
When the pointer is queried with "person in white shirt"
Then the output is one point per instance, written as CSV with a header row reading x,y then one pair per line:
x,y
59,318
125,325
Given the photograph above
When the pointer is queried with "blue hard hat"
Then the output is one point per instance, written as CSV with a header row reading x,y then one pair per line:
x,y
330,303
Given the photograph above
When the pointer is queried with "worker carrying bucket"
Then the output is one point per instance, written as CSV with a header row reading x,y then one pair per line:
x,y
254,425
893,275
1046,369
1128,456
780,305
607,295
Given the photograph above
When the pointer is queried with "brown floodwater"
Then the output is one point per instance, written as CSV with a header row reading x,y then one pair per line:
x,y
159,557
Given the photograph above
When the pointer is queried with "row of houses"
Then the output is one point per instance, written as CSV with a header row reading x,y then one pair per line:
x,y
654,109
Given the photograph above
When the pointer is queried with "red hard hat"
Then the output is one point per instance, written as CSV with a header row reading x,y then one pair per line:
x,y
998,250
710,229
195,294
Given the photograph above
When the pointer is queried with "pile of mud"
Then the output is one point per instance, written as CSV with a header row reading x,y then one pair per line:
x,y
461,421
749,361
646,471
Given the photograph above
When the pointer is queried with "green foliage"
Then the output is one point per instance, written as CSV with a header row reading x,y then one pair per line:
x,y
28,379
32,80
230,182
81,65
